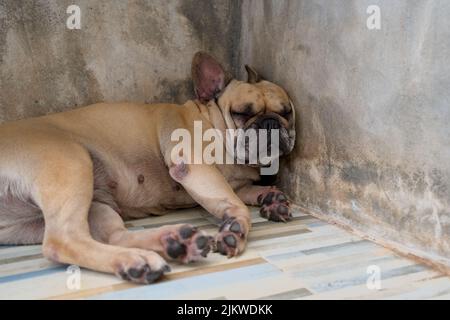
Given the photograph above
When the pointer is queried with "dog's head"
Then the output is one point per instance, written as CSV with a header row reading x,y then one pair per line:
x,y
256,104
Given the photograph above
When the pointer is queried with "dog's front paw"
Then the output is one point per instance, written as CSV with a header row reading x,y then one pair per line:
x,y
232,237
186,243
274,206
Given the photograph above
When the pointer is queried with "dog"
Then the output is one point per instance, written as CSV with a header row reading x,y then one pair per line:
x,y
69,180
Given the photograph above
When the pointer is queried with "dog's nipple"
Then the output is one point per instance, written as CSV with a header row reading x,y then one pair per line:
x,y
141,179
112,184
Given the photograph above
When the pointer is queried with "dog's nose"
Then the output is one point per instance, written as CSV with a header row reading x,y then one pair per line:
x,y
269,124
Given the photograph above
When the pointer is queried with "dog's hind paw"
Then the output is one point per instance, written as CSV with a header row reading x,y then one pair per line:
x,y
186,244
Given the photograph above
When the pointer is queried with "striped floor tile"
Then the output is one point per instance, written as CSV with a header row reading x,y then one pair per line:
x,y
304,259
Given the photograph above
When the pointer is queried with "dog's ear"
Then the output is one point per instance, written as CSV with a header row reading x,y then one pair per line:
x,y
208,76
252,75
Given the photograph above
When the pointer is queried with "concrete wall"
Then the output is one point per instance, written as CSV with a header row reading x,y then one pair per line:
x,y
373,107
126,50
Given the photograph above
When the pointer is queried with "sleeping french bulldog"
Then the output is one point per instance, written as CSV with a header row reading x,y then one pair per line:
x,y
69,180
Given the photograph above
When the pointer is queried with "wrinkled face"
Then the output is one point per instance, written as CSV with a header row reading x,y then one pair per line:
x,y
255,106
259,110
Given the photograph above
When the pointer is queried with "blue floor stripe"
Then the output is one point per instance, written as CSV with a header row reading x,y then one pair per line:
x,y
348,282
171,289
32,274
352,245
337,248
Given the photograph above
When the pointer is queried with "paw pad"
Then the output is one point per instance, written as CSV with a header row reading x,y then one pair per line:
x,y
186,243
274,206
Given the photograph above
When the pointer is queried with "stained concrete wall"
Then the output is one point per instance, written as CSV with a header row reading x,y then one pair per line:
x,y
373,107
125,50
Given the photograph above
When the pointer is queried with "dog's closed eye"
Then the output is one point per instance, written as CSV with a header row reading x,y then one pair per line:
x,y
241,114
245,112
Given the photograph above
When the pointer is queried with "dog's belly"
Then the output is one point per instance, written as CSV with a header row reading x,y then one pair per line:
x,y
139,189
155,196
145,187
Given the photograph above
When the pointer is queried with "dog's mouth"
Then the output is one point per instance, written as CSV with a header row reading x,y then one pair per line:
x,y
264,140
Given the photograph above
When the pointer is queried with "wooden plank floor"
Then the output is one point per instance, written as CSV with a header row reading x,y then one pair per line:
x,y
303,259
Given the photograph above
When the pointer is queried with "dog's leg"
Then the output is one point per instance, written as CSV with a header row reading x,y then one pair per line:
x,y
274,203
180,242
208,187
64,190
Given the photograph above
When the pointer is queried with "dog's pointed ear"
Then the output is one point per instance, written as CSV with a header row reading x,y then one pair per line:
x,y
252,75
208,76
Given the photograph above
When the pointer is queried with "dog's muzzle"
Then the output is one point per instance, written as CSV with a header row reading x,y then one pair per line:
x,y
269,123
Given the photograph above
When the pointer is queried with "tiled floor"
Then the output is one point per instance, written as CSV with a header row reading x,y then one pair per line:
x,y
304,259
